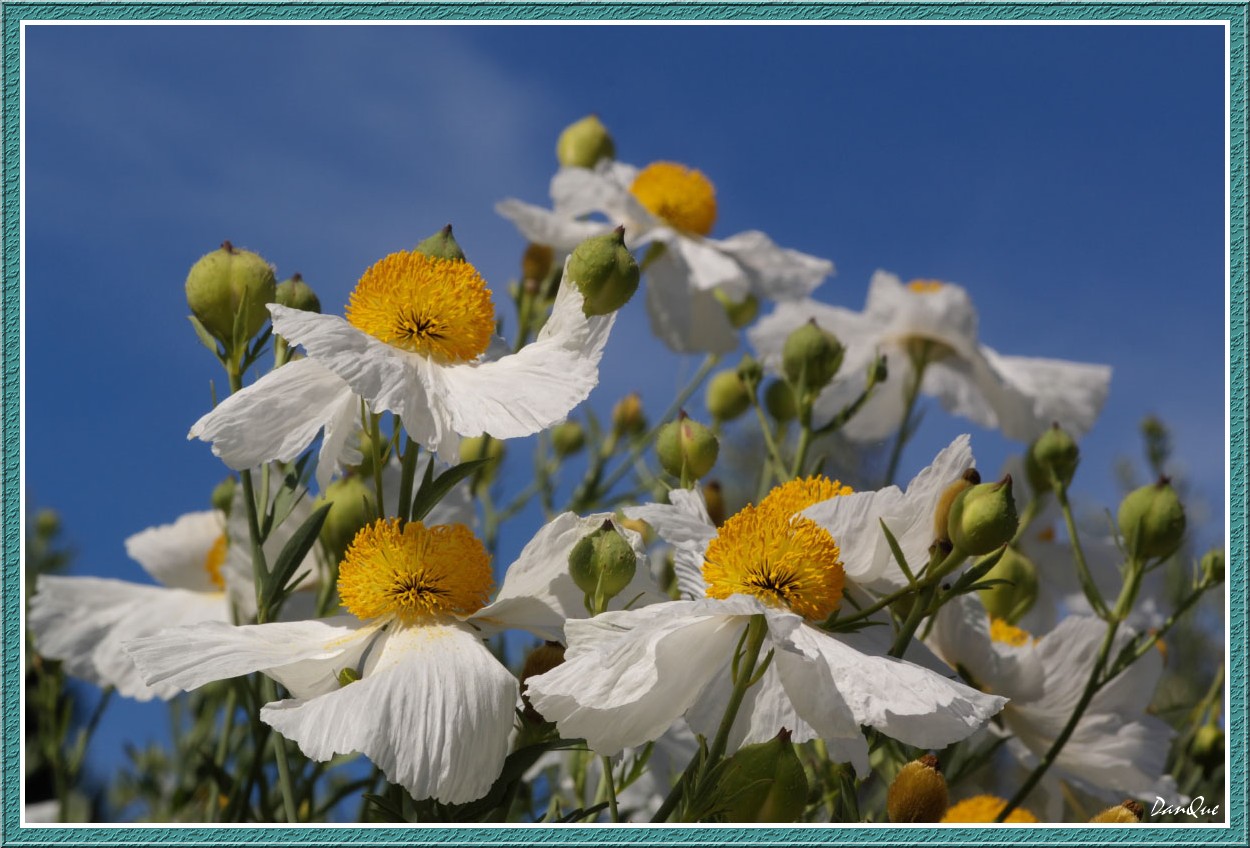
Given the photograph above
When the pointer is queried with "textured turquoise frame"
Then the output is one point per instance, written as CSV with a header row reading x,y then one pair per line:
x,y
13,13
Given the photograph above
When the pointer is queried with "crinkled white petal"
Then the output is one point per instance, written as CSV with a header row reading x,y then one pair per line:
x,y
945,315
605,188
433,712
706,266
83,621
774,272
683,520
542,226
687,320
961,635
1070,393
175,554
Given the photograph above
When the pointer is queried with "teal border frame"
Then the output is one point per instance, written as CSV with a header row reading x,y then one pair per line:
x,y
12,14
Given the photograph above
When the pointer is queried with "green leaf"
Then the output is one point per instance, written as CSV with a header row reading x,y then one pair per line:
x,y
898,553
205,337
384,808
294,487
434,490
293,553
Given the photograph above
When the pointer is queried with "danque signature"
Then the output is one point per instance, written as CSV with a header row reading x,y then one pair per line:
x,y
1196,807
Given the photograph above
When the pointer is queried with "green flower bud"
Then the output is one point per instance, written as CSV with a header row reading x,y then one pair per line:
x,y
1152,521
1011,600
942,512
602,563
536,262
627,416
1053,455
812,353
1127,812
351,508
47,523
442,245
583,143
297,294
739,312
219,285
750,372
567,438
604,271
727,396
687,445
480,447
983,518
1207,747
1213,566
779,401
223,495
765,782
918,794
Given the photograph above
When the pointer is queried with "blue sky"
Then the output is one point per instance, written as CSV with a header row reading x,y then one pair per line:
x,y
1070,177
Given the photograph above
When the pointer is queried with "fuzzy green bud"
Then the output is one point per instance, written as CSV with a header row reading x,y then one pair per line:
x,y
1012,599
983,518
223,495
1152,521
351,508
297,294
727,396
1212,566
604,271
1054,455
602,563
225,282
583,143
942,512
627,416
919,794
1207,747
567,438
482,447
765,783
739,312
750,372
779,401
686,445
442,245
812,354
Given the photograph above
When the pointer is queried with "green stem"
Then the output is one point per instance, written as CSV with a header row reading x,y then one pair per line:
x,y
609,782
375,434
408,476
757,629
1082,568
919,362
269,693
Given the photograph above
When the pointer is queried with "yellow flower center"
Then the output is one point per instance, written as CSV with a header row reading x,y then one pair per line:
x,y
1008,634
439,308
214,559
681,196
769,552
925,286
983,809
414,572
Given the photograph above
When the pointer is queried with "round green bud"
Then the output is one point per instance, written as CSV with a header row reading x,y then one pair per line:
x,y
1152,521
604,271
1207,747
351,508
602,564
727,396
1012,599
983,518
226,281
1213,566
918,794
627,416
567,438
297,294
779,401
483,447
223,495
687,445
47,523
739,312
750,371
583,143
812,354
1054,455
942,512
442,245
764,783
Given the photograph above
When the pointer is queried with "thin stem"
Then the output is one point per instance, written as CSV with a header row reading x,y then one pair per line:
x,y
1082,568
375,434
609,782
757,629
919,362
409,473
270,693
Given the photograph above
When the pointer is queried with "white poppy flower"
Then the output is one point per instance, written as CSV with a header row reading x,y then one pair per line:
x,y
1021,396
414,342
628,676
675,206
404,679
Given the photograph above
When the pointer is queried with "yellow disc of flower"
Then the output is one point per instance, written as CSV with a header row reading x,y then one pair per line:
x,y
925,286
682,196
214,559
983,809
798,495
414,573
440,308
1008,634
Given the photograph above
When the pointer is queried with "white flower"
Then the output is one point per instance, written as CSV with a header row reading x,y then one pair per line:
x,y
674,206
415,342
1020,396
405,680
628,676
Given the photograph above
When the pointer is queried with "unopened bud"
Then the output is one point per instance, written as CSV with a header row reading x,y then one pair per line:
x,y
1128,812
223,495
1013,598
567,438
1053,456
942,512
750,371
739,312
727,396
351,509
813,354
1207,747
602,563
442,245
765,783
540,661
686,445
983,518
1213,566
714,499
47,523
585,142
779,401
604,271
297,294
918,794
482,447
536,261
225,282
1152,521
627,416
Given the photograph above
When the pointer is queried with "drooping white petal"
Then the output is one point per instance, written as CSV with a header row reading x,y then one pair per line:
x,y
683,520
774,272
176,554
687,320
605,188
1070,393
542,226
705,266
961,635
945,315
433,712
84,621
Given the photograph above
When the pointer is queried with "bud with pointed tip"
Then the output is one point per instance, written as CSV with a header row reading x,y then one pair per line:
x,y
627,416
727,396
941,513
918,794
739,312
442,245
604,271
1128,812
686,445
223,495
583,143
1013,598
813,354
567,438
779,401
1152,521
602,564
1212,566
226,281
1054,455
765,783
983,518
297,294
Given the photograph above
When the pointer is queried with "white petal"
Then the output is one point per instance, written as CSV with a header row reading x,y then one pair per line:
x,y
946,315
683,520
707,268
1071,393
542,226
961,634
853,521
776,273
433,713
768,335
686,319
175,554
83,622
605,188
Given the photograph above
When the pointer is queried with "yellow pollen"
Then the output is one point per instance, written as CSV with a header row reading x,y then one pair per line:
x,y
681,196
798,495
983,809
414,572
767,552
439,308
925,286
1008,634
214,560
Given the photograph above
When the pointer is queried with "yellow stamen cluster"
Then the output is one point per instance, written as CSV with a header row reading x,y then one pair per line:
x,y
770,553
1008,634
215,559
925,286
983,809
439,308
682,196
414,572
